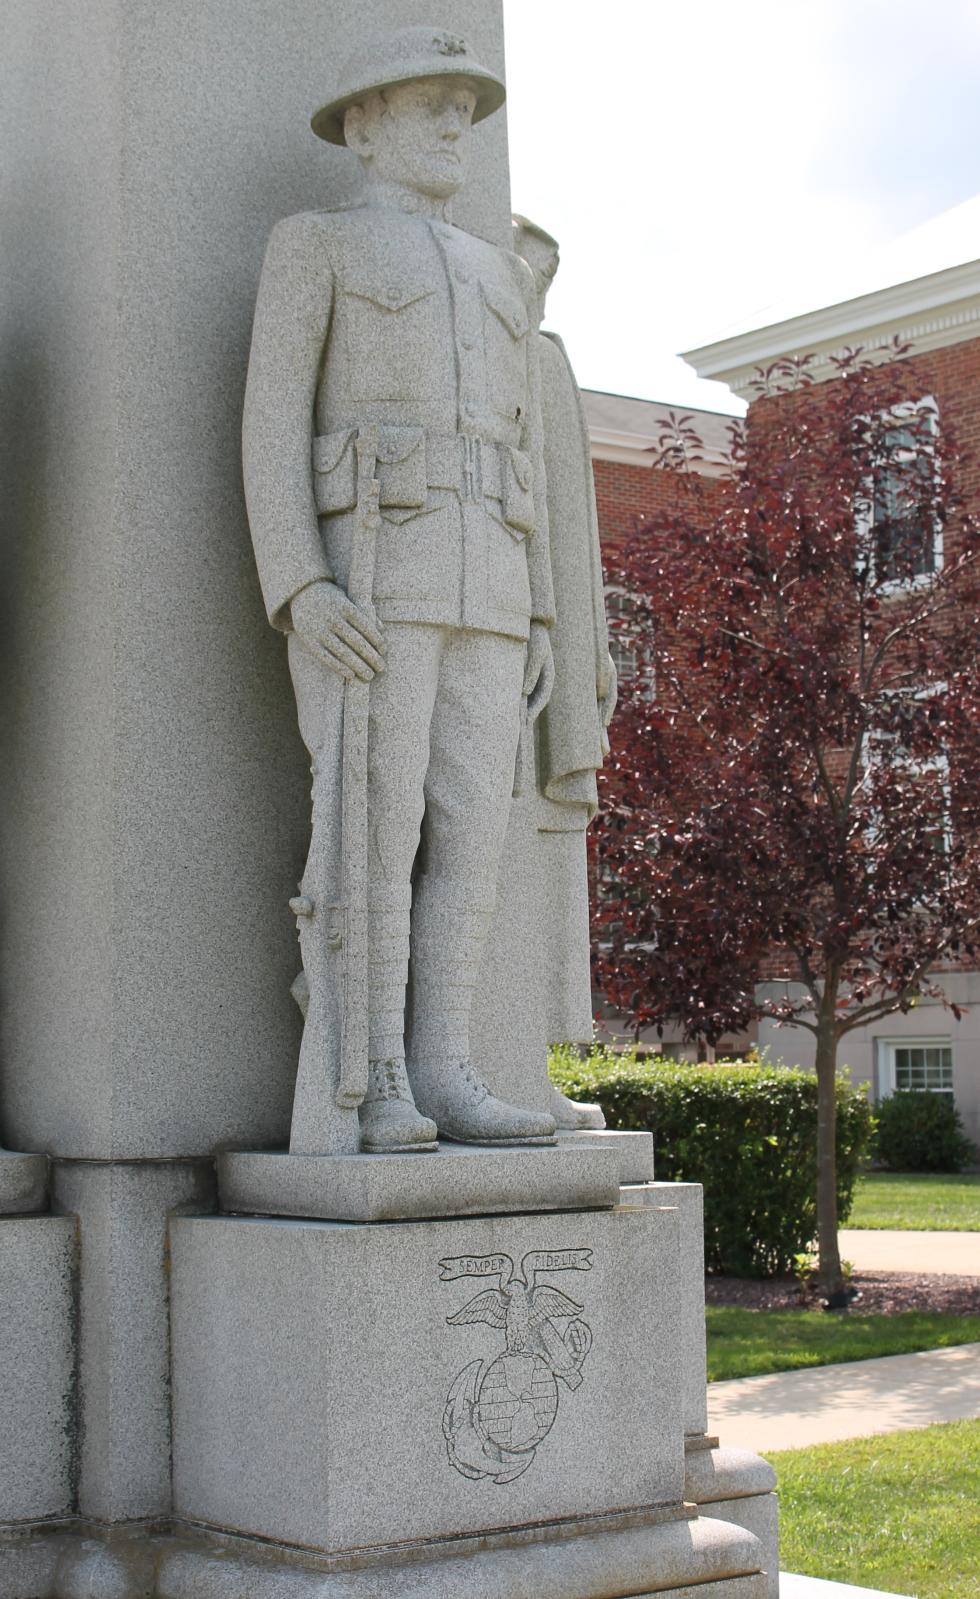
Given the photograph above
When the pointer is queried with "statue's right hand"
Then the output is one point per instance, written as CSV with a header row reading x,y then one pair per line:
x,y
340,634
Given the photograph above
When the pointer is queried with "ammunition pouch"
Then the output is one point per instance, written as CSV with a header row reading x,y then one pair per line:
x,y
412,462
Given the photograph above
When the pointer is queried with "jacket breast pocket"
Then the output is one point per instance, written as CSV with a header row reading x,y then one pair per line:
x,y
391,326
505,324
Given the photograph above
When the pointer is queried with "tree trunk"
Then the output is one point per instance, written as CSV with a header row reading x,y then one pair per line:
x,y
830,1276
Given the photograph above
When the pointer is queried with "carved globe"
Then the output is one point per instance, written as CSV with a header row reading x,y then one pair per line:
x,y
518,1402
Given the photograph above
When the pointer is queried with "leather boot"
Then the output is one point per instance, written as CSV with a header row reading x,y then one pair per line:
x,y
388,1117
449,929
574,1115
463,1108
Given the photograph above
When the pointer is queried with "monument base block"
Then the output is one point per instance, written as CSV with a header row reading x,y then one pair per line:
x,y
455,1180
467,1406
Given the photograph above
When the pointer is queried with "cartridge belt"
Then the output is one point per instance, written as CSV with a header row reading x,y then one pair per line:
x,y
413,461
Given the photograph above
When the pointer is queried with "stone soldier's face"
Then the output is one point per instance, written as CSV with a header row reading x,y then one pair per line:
x,y
417,135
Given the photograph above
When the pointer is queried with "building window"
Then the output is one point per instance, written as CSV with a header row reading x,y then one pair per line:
x,y
904,715
924,1066
630,642
902,532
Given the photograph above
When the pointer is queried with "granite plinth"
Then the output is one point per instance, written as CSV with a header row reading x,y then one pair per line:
x,y
121,1342
23,1183
676,1558
688,1200
737,1486
378,1385
455,1180
598,1558
38,1259
634,1150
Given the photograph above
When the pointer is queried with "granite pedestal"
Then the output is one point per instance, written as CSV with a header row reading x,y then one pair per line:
x,y
447,1407
727,1484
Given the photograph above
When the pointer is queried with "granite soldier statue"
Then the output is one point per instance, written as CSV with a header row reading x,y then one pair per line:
x,y
393,417
571,734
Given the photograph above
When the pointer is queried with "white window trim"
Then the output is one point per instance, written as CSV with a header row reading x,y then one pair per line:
x,y
865,511
885,1061
640,671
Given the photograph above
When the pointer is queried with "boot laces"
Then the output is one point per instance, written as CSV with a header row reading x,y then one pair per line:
x,y
389,1080
479,1087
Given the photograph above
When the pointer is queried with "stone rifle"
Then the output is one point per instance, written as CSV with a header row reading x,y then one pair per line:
x,y
333,1068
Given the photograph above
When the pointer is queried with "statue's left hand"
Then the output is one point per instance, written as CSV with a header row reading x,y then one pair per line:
x,y
539,671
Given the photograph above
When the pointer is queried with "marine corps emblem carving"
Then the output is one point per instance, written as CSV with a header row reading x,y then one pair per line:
x,y
499,1411
448,44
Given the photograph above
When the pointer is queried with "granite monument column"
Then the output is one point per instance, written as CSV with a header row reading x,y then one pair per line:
x,y
153,793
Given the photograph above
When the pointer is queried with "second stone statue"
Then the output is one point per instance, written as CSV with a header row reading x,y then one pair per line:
x,y
396,495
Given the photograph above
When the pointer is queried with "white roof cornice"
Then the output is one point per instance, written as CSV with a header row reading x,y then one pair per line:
x,y
635,449
930,312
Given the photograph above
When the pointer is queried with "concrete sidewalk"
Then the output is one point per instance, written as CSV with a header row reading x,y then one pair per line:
x,y
793,1409
793,1587
952,1254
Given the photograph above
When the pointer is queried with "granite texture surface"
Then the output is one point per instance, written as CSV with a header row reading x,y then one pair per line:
x,y
737,1486
688,1200
323,1359
38,1262
598,1559
759,1515
458,1180
702,1559
153,786
27,1565
123,1330
716,1474
633,1150
23,1183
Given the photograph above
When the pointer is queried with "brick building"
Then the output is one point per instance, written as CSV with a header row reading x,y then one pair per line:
x,y
937,311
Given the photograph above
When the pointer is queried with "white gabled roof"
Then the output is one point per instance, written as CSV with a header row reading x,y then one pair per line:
x,y
923,288
625,429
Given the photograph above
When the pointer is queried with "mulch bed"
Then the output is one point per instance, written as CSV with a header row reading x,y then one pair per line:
x,y
882,1292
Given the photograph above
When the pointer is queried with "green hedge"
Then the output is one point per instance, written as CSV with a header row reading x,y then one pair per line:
x,y
920,1131
748,1133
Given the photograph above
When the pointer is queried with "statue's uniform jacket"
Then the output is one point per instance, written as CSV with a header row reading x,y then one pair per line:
x,y
375,315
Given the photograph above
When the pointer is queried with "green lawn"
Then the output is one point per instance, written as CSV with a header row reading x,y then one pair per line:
x,y
900,1512
927,1201
746,1343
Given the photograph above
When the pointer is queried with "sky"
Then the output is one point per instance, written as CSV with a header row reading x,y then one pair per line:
x,y
700,160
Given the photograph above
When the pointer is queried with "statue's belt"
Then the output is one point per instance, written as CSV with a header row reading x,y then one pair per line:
x,y
413,461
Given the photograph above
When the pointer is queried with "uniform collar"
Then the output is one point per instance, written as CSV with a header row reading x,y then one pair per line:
x,y
409,204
